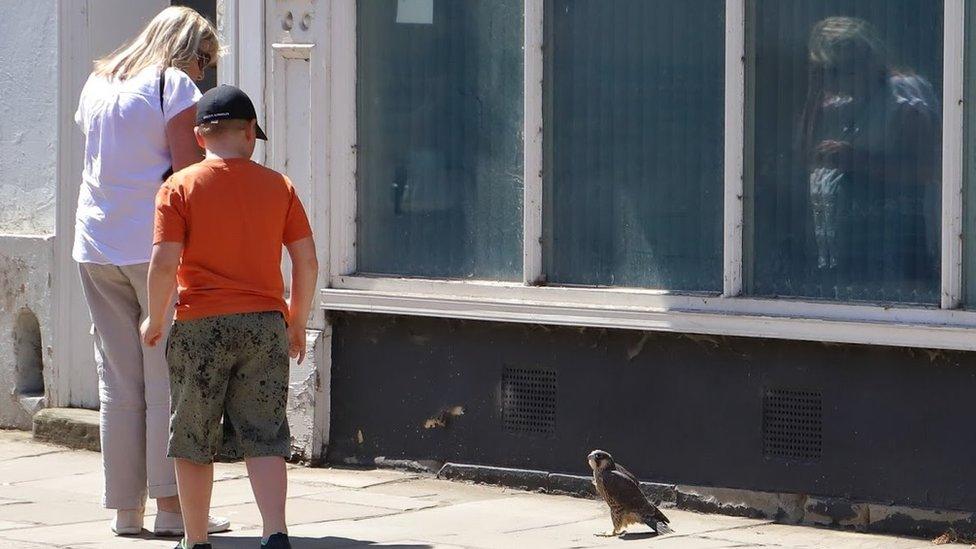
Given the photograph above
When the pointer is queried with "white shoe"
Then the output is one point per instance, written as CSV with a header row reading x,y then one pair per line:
x,y
171,524
128,522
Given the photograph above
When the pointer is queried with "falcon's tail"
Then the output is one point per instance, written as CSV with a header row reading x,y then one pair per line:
x,y
658,526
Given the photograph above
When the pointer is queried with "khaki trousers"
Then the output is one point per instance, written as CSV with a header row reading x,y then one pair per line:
x,y
133,387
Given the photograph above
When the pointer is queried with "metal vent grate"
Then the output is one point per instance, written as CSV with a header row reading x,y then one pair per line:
x,y
792,424
529,401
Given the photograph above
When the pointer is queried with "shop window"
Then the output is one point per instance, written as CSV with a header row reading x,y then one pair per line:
x,y
844,152
440,138
634,141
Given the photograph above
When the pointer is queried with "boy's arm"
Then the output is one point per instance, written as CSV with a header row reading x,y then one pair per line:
x,y
304,273
162,282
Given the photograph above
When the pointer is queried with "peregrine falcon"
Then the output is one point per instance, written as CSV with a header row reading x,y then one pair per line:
x,y
621,490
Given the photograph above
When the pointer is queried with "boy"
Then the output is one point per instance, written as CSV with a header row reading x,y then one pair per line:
x,y
219,229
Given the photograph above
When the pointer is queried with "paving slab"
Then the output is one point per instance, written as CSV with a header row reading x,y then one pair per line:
x,y
227,471
300,511
490,523
83,534
29,545
533,520
124,543
78,487
18,444
250,538
48,466
814,538
346,478
56,491
665,542
11,525
11,501
372,499
443,492
238,491
53,513
49,498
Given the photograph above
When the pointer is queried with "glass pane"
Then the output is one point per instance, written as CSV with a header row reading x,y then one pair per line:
x,y
846,114
969,162
440,138
634,137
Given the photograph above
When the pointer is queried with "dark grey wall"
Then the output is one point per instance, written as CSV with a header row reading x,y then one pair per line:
x,y
897,423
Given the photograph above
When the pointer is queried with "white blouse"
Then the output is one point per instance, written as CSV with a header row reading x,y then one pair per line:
x,y
126,155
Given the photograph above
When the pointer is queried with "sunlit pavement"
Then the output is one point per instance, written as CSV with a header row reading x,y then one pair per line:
x,y
49,497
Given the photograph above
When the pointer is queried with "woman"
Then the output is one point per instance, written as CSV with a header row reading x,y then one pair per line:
x,y
870,134
137,111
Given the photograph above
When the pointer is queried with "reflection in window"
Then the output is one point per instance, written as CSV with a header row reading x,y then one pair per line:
x,y
440,138
635,141
846,149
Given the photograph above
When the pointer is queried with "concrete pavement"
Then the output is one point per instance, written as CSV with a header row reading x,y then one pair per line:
x,y
49,497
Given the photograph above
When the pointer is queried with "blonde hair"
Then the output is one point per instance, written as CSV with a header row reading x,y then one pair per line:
x,y
172,39
835,38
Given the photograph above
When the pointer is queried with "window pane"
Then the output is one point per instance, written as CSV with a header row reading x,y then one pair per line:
x,y
846,149
440,138
969,162
635,142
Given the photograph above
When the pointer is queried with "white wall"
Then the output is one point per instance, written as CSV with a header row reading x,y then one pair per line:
x,y
29,79
28,116
25,288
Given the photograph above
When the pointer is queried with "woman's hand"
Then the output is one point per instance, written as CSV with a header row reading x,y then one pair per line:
x,y
152,331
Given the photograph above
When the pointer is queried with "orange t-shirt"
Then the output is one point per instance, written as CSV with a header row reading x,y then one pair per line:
x,y
232,216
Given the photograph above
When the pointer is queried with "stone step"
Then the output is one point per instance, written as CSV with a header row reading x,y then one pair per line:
x,y
71,427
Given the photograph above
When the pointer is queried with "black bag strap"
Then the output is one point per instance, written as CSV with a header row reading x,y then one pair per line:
x,y
162,88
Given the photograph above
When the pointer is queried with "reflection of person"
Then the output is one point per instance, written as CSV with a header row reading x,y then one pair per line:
x,y
137,111
870,136
220,226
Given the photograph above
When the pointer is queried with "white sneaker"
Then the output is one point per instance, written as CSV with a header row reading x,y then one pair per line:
x,y
171,524
128,522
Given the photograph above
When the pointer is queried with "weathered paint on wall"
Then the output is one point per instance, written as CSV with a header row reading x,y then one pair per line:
x,y
29,115
308,397
25,291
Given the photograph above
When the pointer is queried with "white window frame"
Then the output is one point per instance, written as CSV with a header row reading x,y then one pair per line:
x,y
728,313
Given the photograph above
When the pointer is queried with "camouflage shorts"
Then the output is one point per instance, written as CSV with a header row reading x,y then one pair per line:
x,y
235,367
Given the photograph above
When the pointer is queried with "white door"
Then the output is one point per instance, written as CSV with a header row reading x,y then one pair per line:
x,y
88,29
297,102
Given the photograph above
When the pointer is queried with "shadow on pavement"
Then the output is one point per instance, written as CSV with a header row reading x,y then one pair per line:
x,y
638,536
300,542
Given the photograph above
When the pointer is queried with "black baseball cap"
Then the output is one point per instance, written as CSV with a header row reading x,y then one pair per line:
x,y
226,102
